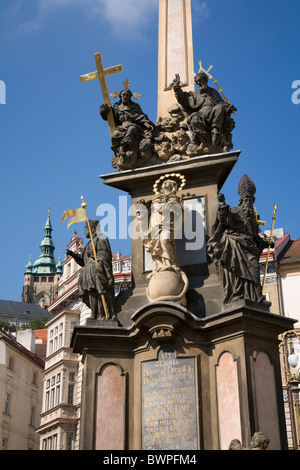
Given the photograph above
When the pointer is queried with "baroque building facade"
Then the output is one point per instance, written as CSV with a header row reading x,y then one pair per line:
x,y
21,388
282,289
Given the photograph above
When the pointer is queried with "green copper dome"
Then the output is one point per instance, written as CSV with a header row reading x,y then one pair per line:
x,y
59,267
46,264
29,266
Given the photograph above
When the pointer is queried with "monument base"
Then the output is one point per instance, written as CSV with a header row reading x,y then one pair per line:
x,y
104,322
172,381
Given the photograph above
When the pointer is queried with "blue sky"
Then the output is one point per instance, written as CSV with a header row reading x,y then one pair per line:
x,y
54,144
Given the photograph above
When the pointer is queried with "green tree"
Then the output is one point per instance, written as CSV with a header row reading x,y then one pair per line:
x,y
36,324
6,326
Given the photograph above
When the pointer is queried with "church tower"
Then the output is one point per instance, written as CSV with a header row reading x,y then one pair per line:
x,y
42,277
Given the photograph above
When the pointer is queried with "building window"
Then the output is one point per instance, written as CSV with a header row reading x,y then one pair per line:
x,y
11,363
34,378
116,267
71,388
71,394
70,440
51,279
57,339
32,416
72,376
267,296
47,401
36,279
50,443
57,397
126,267
4,444
7,404
43,279
52,397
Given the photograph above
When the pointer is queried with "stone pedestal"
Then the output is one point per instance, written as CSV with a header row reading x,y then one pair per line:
x,y
172,381
185,375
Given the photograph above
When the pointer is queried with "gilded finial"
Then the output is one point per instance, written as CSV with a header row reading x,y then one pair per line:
x,y
126,84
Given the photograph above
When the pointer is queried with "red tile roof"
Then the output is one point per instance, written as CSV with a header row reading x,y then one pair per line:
x,y
291,254
41,334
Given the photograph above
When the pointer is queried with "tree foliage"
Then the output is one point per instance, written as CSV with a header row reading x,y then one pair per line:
x,y
35,324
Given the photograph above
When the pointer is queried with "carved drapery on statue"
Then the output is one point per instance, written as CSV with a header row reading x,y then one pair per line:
x,y
164,214
209,121
96,279
132,138
199,123
236,245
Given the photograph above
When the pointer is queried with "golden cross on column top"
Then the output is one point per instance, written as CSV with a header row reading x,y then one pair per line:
x,y
101,74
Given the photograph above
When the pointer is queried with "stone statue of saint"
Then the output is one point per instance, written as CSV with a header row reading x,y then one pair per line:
x,y
236,245
167,281
131,139
166,210
236,444
209,117
258,442
96,280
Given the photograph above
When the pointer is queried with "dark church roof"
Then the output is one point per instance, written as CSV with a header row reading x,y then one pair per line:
x,y
10,309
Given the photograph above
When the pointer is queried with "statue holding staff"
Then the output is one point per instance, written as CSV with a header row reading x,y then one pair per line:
x,y
96,278
236,245
208,115
96,281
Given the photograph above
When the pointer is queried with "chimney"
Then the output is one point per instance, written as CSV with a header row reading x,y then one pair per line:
x,y
27,339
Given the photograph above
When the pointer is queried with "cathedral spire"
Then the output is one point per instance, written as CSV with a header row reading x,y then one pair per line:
x,y
46,263
42,277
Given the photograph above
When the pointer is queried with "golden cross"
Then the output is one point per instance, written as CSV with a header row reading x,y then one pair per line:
x,y
101,74
259,222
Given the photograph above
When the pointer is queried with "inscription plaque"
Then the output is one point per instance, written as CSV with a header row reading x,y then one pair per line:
x,y
170,419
